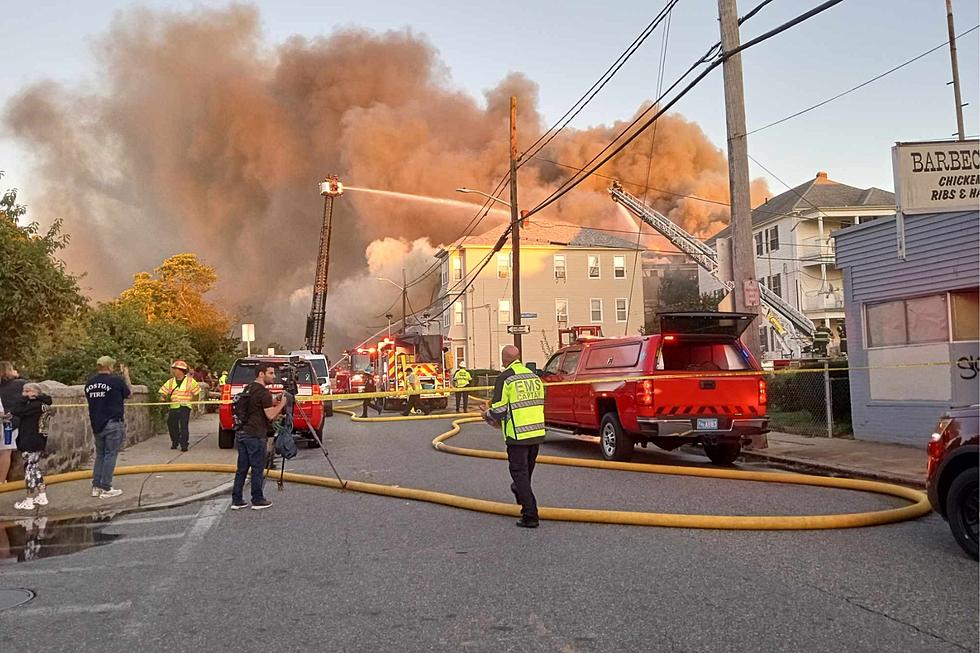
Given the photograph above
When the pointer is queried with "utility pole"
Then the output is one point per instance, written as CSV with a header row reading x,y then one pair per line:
x,y
743,252
954,63
404,303
515,228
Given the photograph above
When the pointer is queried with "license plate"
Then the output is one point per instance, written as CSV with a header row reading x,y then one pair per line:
x,y
707,424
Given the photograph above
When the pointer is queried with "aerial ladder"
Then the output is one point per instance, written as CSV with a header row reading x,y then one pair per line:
x,y
794,329
330,189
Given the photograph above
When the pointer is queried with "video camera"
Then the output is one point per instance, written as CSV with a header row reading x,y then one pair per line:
x,y
289,375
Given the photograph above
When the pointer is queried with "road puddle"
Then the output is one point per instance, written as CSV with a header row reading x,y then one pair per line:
x,y
34,537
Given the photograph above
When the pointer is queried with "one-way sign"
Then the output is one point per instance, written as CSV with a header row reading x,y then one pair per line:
x,y
518,328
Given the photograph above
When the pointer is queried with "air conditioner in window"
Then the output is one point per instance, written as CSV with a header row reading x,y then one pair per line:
x,y
559,274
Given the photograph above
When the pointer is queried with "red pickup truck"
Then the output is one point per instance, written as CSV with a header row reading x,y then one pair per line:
x,y
712,389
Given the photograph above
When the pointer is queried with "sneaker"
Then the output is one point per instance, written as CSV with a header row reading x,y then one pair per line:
x,y
183,449
262,504
238,505
96,491
26,504
173,445
527,524
108,494
41,499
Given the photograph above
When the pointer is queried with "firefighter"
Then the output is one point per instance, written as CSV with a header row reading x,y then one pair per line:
x,y
518,408
223,379
179,390
461,379
370,386
411,383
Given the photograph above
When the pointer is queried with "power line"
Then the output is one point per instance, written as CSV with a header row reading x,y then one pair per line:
x,y
599,84
859,86
574,181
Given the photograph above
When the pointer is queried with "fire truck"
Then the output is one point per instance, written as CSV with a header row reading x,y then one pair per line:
x,y
395,355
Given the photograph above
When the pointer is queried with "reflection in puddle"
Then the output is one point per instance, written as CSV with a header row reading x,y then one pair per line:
x,y
33,538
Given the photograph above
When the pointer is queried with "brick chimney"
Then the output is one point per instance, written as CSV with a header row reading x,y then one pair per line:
x,y
821,176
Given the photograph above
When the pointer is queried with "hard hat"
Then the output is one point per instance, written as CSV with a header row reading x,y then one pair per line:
x,y
461,364
180,365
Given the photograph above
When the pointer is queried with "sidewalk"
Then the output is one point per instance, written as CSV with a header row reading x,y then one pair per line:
x,y
141,491
892,463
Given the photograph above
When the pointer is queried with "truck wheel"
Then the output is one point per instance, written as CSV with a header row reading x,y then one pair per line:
x,y
723,453
614,442
962,508
226,438
328,409
314,443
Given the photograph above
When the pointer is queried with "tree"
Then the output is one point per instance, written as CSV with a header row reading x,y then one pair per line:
x,y
124,333
175,292
37,296
680,292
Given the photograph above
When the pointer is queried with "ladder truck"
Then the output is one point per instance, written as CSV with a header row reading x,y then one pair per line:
x,y
794,329
330,189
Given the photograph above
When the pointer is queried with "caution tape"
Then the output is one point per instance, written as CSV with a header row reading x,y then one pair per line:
x,y
446,391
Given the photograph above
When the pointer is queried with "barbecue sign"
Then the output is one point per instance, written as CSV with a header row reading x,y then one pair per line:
x,y
937,177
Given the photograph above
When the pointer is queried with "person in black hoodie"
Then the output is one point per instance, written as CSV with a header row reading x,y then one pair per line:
x,y
33,411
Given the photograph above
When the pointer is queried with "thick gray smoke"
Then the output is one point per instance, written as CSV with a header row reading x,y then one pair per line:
x,y
199,136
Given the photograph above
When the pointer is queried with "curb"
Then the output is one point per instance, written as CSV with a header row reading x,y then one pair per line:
x,y
162,505
802,464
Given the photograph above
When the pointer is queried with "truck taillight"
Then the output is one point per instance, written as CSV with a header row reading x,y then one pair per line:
x,y
225,392
644,393
763,392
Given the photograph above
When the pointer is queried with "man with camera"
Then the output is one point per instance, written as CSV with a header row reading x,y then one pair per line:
x,y
260,410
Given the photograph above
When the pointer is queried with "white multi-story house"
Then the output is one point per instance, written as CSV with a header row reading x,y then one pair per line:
x,y
570,275
794,249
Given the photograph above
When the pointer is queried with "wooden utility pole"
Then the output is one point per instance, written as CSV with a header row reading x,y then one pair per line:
x,y
404,303
515,229
743,252
954,63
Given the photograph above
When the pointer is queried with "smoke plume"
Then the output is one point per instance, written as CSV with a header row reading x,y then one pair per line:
x,y
198,135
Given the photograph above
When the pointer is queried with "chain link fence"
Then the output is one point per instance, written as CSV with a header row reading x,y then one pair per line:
x,y
810,401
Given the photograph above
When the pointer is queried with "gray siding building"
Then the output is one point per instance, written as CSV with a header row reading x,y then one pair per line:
x,y
912,324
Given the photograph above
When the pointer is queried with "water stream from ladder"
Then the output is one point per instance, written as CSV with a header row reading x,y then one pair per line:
x,y
455,204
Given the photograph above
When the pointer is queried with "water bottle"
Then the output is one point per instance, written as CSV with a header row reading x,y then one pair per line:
x,y
8,434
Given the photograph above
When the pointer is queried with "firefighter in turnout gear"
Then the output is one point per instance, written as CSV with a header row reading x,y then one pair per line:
x,y
461,379
518,407
179,390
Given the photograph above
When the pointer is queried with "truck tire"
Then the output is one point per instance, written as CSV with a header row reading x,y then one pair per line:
x,y
961,509
723,453
328,409
614,442
314,443
226,438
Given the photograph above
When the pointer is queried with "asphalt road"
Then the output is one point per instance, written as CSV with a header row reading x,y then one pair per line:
x,y
336,571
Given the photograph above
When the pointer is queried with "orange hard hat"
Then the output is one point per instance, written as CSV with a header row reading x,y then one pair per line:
x,y
180,365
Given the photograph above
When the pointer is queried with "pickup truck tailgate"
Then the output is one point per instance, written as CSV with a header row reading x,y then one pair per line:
x,y
730,396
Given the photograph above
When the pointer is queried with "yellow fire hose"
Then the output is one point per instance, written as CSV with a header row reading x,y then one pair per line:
x,y
918,507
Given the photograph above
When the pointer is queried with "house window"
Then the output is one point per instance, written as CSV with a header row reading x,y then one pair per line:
x,y
764,339
759,244
593,266
446,318
459,355
619,267
966,309
445,275
457,269
458,313
621,311
559,266
561,311
595,310
907,321
775,284
503,265
772,238
503,311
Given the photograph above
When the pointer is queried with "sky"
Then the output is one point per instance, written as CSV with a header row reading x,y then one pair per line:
x,y
565,46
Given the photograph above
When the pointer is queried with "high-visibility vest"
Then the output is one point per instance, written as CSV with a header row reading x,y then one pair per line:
x,y
222,379
180,395
523,396
462,378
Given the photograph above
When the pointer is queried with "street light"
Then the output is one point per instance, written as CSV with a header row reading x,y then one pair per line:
x,y
404,288
486,195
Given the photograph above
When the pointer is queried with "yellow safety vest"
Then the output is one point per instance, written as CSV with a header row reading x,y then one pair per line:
x,y
188,391
521,405
462,378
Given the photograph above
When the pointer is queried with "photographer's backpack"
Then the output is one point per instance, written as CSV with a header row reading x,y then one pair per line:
x,y
239,408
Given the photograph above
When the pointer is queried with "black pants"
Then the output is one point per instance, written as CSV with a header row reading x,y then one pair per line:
x,y
521,460
178,423
465,397
413,403
251,456
369,403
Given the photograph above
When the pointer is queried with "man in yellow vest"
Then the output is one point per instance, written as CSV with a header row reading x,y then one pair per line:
x,y
179,390
518,407
461,379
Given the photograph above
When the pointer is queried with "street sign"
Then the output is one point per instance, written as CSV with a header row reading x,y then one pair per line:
x,y
751,287
514,329
528,316
248,333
